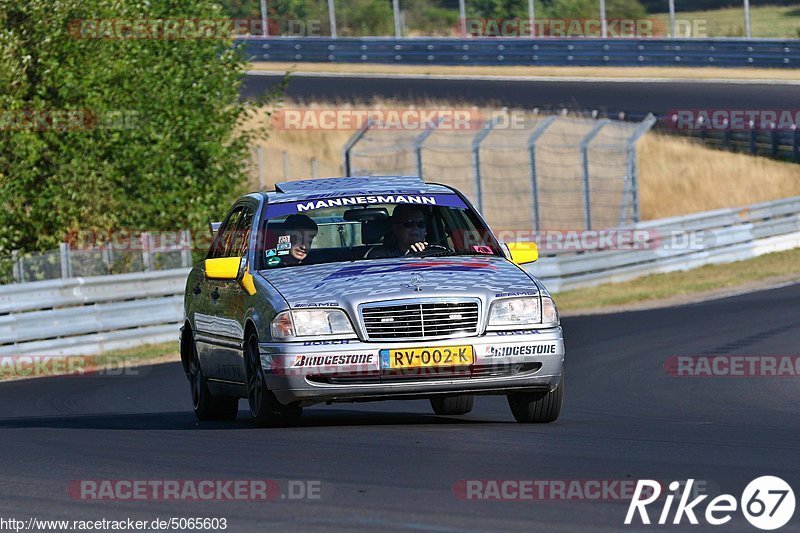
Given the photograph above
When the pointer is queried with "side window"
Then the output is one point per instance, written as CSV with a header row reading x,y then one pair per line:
x,y
227,233
242,234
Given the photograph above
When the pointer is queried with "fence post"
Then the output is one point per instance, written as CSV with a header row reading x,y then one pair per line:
x,y
476,160
16,266
603,21
398,31
186,249
462,18
146,252
264,19
538,132
314,168
633,165
774,139
107,257
587,193
332,17
419,141
262,183
346,167
66,260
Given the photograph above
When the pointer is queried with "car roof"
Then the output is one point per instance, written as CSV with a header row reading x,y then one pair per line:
x,y
292,191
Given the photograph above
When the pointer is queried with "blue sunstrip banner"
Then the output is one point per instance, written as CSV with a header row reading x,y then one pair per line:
x,y
303,206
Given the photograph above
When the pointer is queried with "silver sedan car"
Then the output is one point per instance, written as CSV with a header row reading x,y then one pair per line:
x,y
367,288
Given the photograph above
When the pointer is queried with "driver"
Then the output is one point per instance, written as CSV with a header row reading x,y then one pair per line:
x,y
407,235
301,230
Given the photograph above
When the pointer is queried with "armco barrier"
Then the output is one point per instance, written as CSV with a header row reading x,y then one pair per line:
x,y
90,315
719,52
725,235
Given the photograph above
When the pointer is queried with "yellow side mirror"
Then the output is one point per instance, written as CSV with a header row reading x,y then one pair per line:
x,y
223,267
523,252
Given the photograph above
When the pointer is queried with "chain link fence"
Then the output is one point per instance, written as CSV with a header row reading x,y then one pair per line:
x,y
536,171
145,253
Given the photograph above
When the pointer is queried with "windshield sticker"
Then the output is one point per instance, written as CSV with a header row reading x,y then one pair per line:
x,y
283,239
271,253
486,250
287,208
273,261
284,246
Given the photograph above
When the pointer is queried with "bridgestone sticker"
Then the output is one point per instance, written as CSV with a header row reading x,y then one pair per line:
x,y
332,360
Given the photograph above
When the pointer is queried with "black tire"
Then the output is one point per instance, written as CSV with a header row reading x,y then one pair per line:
x,y
206,405
453,405
265,408
537,407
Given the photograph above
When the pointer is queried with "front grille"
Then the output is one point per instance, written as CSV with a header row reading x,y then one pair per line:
x,y
420,320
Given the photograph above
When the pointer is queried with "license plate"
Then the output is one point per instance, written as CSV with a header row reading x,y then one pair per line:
x,y
427,357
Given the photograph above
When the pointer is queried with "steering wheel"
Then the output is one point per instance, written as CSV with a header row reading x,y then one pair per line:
x,y
432,249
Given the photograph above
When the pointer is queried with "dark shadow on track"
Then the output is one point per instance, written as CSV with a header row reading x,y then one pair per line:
x,y
184,421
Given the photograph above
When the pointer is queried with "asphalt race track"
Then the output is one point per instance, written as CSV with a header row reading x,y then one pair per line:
x,y
657,97
394,465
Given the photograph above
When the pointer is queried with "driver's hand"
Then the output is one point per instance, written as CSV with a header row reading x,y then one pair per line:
x,y
418,246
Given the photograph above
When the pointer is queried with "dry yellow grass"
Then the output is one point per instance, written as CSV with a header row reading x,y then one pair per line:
x,y
676,176
556,72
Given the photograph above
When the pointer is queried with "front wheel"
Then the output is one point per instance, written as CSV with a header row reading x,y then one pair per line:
x,y
537,407
206,405
453,405
265,409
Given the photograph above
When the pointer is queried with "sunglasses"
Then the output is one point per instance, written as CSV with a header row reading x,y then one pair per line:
x,y
413,224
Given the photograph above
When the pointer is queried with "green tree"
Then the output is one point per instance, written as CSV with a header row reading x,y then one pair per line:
x,y
162,148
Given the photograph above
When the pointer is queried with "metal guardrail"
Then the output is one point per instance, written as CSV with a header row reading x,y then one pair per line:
x,y
91,315
719,52
721,236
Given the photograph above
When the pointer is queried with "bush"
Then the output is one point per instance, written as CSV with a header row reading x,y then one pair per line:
x,y
158,145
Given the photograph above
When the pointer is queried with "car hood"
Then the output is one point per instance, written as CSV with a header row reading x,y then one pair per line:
x,y
340,284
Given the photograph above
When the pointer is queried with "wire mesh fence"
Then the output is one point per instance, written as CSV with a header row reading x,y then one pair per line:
x,y
535,171
143,253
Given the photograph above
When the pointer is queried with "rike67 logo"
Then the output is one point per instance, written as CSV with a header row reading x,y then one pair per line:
x,y
767,503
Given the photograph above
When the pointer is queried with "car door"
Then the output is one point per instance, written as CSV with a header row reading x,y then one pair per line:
x,y
228,306
210,331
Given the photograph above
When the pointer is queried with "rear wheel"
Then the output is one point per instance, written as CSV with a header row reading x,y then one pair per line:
x,y
206,405
265,409
537,407
453,405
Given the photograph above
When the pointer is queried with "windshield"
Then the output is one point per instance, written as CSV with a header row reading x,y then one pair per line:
x,y
334,229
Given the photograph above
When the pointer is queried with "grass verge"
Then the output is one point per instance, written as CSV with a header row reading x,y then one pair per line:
x,y
113,362
682,73
684,287
777,22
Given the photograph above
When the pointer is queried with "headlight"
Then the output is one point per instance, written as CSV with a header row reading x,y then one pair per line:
x,y
311,322
513,313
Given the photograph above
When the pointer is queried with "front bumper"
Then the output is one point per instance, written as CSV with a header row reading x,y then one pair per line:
x,y
342,371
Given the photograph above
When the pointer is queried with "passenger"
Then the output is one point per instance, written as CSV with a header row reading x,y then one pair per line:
x,y
301,230
407,235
